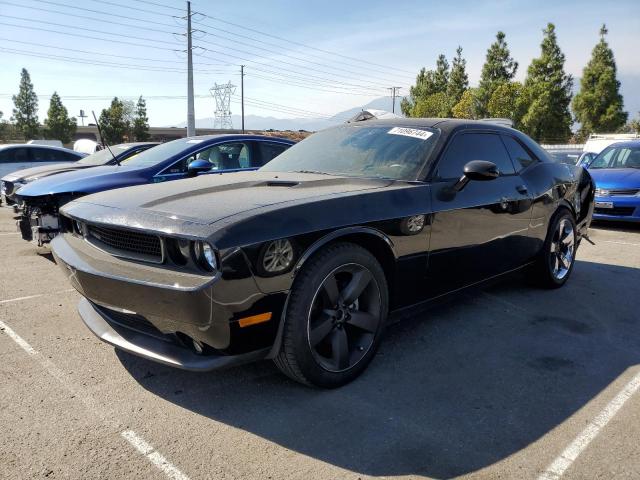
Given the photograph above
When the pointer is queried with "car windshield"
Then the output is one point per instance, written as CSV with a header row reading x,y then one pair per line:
x,y
563,156
162,152
104,156
618,157
359,151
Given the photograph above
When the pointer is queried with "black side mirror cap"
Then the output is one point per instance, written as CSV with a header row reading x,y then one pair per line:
x,y
479,170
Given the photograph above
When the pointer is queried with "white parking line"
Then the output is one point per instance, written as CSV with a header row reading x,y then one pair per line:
x,y
29,297
155,457
9,233
557,468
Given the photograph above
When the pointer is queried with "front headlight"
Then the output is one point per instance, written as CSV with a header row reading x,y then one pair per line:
x,y
205,256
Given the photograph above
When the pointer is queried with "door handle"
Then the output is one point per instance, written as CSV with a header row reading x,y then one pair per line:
x,y
522,189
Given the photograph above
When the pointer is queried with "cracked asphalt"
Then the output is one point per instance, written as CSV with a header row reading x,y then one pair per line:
x,y
494,384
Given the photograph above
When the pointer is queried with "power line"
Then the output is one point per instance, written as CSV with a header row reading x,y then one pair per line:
x,y
159,5
100,54
308,87
100,63
74,27
129,7
287,55
316,70
102,12
302,44
86,17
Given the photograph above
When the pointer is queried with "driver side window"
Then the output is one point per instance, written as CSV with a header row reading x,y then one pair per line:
x,y
466,147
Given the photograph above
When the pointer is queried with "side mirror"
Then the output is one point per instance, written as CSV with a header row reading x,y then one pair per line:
x,y
198,166
480,170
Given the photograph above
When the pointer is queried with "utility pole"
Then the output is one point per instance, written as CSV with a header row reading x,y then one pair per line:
x,y
191,116
242,93
394,92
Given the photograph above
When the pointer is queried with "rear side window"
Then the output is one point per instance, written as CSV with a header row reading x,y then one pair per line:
x,y
521,158
15,155
51,155
268,151
474,146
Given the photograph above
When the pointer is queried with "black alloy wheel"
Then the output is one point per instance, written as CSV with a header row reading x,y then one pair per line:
x,y
335,317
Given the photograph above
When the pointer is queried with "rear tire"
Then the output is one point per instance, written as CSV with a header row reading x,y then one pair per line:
x,y
335,317
555,262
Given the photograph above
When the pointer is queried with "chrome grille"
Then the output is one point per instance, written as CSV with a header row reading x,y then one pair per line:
x,y
628,191
605,192
615,211
126,243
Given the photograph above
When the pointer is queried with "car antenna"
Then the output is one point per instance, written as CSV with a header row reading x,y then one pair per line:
x,y
104,144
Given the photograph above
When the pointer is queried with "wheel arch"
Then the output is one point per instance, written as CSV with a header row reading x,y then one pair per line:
x,y
371,239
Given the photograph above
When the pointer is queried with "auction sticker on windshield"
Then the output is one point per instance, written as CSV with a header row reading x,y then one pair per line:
x,y
410,132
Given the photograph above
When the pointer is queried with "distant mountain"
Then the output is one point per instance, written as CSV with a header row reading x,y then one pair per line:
x,y
256,122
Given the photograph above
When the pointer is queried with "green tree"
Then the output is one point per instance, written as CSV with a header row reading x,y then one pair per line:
x,y
114,123
506,102
5,128
436,105
499,68
25,113
467,107
141,121
58,125
598,105
635,124
430,83
458,79
547,93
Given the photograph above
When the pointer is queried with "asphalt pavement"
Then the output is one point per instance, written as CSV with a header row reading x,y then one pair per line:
x,y
504,382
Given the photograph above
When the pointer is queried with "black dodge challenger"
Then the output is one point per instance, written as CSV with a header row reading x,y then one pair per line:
x,y
303,261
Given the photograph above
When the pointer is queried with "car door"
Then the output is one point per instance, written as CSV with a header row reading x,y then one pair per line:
x,y
477,231
13,159
224,157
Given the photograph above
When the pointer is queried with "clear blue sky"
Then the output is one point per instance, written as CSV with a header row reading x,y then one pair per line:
x,y
400,36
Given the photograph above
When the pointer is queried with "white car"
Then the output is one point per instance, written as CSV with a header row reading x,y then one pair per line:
x,y
20,156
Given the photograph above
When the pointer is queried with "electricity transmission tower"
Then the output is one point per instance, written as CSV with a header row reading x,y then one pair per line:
x,y
222,95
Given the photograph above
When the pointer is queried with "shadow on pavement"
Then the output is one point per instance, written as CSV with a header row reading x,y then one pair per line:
x,y
454,389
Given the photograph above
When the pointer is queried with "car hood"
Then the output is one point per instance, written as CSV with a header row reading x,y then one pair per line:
x,y
616,177
31,174
210,198
86,180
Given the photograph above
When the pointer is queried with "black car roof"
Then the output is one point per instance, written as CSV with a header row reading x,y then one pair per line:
x,y
444,124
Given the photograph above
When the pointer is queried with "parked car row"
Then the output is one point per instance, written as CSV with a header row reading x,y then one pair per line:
x,y
304,260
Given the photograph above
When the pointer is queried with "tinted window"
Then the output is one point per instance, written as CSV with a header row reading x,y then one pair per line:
x,y
474,146
268,151
521,158
51,155
15,155
359,151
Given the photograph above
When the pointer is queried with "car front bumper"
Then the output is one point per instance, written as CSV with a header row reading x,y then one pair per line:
x,y
158,313
617,208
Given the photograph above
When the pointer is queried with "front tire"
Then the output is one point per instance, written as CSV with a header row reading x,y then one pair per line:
x,y
555,262
335,317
